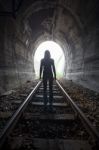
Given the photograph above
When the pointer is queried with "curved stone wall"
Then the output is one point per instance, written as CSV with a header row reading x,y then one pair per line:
x,y
72,24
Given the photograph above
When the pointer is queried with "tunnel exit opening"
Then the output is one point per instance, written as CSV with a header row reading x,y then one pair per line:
x,y
56,53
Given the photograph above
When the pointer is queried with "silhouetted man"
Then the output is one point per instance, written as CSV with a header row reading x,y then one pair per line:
x,y
48,68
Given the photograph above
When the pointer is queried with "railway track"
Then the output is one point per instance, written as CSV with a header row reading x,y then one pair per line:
x,y
64,128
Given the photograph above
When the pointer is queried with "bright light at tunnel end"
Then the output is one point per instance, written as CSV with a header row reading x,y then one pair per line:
x,y
56,54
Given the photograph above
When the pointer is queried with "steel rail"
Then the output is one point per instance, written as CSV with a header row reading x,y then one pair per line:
x,y
88,125
13,120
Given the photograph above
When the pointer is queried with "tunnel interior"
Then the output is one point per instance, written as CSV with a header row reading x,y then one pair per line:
x,y
74,25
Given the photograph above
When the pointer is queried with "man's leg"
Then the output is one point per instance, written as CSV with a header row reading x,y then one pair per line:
x,y
51,92
45,91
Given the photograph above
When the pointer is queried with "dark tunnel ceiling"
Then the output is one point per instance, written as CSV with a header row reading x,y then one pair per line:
x,y
46,13
39,20
45,21
43,17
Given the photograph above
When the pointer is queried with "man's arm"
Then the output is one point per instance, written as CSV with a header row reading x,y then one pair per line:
x,y
41,67
54,70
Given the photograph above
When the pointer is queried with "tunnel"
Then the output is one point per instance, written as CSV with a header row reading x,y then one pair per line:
x,y
46,112
73,25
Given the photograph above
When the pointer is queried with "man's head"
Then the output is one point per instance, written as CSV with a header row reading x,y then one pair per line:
x,y
47,54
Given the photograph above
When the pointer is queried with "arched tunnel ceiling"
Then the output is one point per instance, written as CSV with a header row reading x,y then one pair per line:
x,y
53,21
56,18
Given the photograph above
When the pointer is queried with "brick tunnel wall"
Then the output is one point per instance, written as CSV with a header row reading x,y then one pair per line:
x,y
16,65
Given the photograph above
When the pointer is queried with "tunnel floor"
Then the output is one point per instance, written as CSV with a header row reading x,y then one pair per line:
x,y
66,131
86,99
